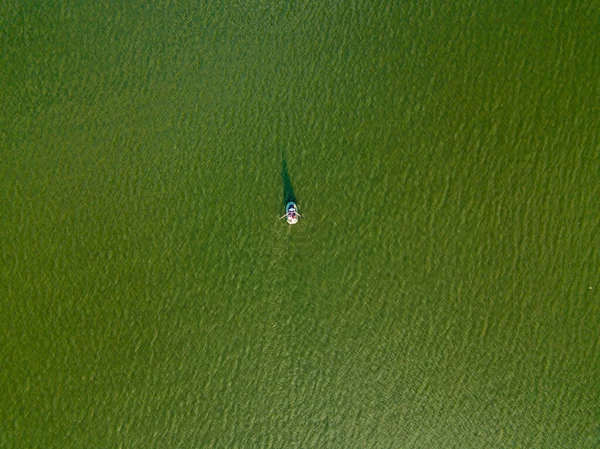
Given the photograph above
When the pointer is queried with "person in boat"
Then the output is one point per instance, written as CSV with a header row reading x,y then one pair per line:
x,y
292,214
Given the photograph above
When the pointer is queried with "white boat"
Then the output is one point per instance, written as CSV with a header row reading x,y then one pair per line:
x,y
291,213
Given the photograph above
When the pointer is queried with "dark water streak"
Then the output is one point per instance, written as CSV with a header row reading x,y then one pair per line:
x,y
288,189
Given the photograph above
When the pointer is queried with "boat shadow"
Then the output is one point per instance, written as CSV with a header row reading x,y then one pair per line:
x,y
288,189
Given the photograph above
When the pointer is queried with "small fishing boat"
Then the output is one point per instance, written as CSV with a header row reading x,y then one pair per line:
x,y
291,213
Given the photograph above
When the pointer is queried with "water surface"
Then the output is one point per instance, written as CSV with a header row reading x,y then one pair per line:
x,y
442,291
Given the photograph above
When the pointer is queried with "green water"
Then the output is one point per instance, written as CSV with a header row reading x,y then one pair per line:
x,y
441,292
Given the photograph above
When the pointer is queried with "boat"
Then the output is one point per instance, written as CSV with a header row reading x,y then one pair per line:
x,y
291,213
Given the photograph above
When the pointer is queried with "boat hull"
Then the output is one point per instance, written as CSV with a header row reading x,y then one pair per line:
x,y
291,213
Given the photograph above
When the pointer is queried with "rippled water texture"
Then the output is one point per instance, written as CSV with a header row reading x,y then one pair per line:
x,y
441,291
